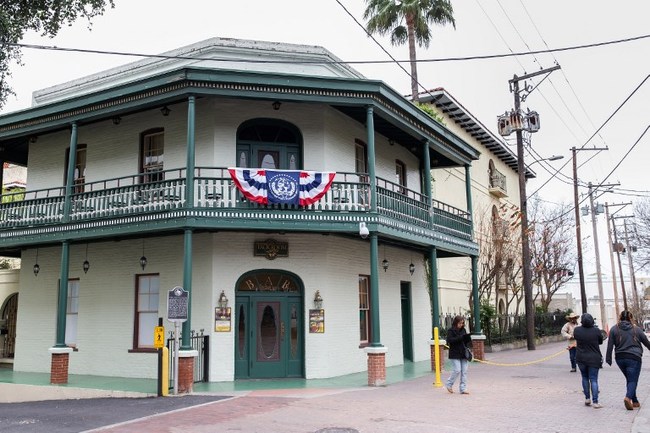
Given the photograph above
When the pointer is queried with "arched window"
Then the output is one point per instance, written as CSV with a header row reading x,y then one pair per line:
x,y
270,144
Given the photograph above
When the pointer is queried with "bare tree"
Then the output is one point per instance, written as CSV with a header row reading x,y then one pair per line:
x,y
642,233
552,249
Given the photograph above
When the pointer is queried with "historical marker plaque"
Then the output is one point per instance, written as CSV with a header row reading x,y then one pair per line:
x,y
177,304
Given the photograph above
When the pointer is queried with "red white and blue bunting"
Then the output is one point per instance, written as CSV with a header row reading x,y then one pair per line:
x,y
297,187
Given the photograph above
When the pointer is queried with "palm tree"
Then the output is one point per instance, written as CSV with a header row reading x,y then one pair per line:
x,y
408,21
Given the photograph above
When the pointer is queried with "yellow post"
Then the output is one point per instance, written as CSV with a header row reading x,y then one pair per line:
x,y
164,377
436,349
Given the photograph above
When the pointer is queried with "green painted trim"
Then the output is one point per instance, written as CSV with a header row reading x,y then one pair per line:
x,y
375,338
435,291
370,138
476,304
62,308
468,195
72,160
190,163
186,343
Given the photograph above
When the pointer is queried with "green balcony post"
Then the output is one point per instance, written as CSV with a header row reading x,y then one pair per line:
x,y
370,131
476,303
62,308
69,184
186,344
375,339
428,188
189,181
468,194
435,295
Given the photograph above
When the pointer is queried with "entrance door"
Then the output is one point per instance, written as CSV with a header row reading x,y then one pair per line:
x,y
269,332
407,332
8,317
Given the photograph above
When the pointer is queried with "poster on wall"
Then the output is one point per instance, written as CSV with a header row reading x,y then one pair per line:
x,y
222,319
317,321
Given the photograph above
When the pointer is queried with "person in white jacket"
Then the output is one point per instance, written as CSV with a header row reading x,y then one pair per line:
x,y
567,332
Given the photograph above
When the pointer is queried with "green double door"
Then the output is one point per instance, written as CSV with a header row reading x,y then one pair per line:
x,y
269,335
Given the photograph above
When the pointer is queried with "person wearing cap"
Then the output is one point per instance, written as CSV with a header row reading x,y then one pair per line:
x,y
588,340
567,332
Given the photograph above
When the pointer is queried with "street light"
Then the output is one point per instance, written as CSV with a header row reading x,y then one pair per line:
x,y
550,158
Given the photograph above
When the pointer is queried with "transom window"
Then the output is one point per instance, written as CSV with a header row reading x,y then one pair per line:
x,y
269,144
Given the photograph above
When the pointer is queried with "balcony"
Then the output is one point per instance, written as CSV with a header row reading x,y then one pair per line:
x,y
497,185
124,206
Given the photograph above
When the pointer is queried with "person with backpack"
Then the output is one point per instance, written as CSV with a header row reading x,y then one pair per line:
x,y
588,357
626,339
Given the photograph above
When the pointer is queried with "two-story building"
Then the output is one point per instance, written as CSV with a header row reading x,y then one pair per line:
x,y
288,197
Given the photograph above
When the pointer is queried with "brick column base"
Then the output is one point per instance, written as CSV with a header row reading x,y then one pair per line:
x,y
441,350
186,371
478,346
376,366
60,364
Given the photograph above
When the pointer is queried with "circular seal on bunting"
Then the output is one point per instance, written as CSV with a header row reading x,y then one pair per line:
x,y
283,187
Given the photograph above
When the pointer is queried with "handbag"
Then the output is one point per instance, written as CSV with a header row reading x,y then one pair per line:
x,y
468,354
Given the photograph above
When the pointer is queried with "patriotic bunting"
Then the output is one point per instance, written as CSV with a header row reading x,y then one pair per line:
x,y
297,187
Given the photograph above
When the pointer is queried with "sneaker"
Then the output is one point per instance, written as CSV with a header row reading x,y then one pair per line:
x,y
636,404
573,370
628,403
464,392
587,402
450,390
597,406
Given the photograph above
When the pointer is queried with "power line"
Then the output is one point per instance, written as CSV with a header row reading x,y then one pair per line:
x,y
349,62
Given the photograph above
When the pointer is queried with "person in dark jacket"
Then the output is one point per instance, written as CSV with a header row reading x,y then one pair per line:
x,y
588,357
457,338
627,339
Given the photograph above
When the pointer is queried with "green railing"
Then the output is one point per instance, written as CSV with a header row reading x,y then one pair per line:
x,y
214,190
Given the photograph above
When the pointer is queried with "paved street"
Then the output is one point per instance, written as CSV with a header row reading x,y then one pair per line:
x,y
511,394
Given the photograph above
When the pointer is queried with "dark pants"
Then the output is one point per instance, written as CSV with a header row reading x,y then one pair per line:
x,y
631,369
589,382
572,357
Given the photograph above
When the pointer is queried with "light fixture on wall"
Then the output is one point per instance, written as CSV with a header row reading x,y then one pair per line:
x,y
33,139
411,266
37,268
223,300
143,259
276,105
363,230
116,120
385,263
86,264
318,300
165,110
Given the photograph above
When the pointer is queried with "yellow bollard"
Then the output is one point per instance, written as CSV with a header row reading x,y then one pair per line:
x,y
164,376
436,349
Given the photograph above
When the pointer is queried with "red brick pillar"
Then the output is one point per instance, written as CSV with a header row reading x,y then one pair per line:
x,y
60,364
478,346
441,353
376,366
186,370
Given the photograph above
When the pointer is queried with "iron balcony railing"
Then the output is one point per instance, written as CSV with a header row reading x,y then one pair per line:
x,y
215,191
498,181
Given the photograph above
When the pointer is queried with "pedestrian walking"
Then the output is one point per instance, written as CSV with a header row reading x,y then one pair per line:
x,y
626,339
457,339
588,357
567,332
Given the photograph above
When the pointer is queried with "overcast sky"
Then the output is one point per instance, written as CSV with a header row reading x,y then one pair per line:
x,y
573,102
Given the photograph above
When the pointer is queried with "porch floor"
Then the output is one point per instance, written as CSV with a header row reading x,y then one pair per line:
x,y
399,373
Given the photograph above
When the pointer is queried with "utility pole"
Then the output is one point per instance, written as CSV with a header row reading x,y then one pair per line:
x,y
603,316
518,122
620,267
581,272
610,242
629,260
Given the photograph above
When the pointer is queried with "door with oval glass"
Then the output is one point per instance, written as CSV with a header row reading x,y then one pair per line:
x,y
269,336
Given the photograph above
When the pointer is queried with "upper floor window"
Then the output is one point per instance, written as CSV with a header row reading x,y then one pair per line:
x,y
269,144
152,152
79,173
146,310
400,175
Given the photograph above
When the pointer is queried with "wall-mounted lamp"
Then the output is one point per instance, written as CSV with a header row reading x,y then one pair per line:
x,y
411,268
318,300
223,300
391,141
116,120
86,264
276,105
143,259
165,111
33,139
385,263
37,268
363,230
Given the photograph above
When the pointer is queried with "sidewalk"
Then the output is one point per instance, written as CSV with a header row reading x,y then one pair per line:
x,y
511,393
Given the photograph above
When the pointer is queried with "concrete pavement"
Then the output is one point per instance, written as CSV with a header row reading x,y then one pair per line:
x,y
513,392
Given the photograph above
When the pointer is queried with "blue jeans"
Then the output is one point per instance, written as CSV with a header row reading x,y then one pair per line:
x,y
572,357
589,381
459,367
631,369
